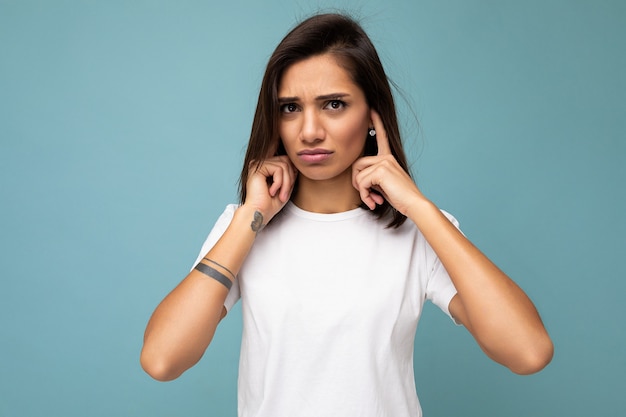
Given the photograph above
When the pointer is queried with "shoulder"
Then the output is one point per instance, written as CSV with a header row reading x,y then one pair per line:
x,y
227,215
230,209
450,217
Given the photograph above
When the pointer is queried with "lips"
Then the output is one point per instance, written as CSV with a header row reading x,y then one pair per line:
x,y
314,155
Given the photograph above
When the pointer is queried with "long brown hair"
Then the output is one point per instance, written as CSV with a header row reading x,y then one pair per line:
x,y
344,38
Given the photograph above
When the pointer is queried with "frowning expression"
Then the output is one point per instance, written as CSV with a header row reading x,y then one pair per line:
x,y
324,118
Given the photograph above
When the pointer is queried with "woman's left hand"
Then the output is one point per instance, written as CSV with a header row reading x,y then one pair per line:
x,y
380,176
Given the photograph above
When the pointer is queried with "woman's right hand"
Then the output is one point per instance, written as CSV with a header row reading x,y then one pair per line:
x,y
270,185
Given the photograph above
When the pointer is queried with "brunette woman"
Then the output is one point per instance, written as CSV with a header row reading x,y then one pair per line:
x,y
333,250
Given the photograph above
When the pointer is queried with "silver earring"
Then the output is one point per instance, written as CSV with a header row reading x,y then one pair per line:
x,y
372,132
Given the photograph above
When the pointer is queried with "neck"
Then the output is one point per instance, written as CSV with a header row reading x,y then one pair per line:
x,y
329,196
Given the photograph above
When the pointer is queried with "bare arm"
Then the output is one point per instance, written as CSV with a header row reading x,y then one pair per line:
x,y
496,311
183,324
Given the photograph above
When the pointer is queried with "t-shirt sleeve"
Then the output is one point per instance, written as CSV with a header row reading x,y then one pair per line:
x,y
440,289
216,233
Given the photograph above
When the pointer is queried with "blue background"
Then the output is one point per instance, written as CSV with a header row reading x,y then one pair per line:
x,y
122,130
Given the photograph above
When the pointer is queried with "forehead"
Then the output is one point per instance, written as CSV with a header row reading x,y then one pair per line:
x,y
317,75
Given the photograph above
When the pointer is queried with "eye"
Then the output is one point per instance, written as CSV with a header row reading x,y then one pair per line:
x,y
335,105
288,108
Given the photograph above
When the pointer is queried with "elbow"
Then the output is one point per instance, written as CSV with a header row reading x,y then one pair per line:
x,y
158,367
534,359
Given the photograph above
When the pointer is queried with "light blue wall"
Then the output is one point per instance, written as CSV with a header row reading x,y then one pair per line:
x,y
122,130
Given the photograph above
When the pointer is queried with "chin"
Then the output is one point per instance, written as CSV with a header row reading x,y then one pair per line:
x,y
325,174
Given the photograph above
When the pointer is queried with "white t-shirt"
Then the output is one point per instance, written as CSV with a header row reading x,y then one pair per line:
x,y
330,307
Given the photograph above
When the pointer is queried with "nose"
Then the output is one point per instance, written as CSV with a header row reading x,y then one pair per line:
x,y
312,130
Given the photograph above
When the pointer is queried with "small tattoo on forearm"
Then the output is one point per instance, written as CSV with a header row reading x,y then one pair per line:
x,y
257,223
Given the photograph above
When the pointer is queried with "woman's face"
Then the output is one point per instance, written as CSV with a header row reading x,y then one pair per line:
x,y
324,118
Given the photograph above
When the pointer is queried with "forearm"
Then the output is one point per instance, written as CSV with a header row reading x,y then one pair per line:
x,y
183,324
492,307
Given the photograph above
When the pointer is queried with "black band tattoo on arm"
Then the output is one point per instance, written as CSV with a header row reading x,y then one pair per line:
x,y
215,274
221,266
257,223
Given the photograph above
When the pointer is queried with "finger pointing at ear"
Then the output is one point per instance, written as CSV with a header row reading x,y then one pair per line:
x,y
381,135
380,177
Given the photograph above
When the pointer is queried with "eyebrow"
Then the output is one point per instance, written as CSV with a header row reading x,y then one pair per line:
x,y
282,100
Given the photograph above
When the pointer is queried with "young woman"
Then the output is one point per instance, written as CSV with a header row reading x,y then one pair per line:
x,y
333,250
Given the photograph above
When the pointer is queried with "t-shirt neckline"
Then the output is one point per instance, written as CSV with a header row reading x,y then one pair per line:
x,y
325,217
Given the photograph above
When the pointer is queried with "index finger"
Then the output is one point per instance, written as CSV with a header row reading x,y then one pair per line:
x,y
381,135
